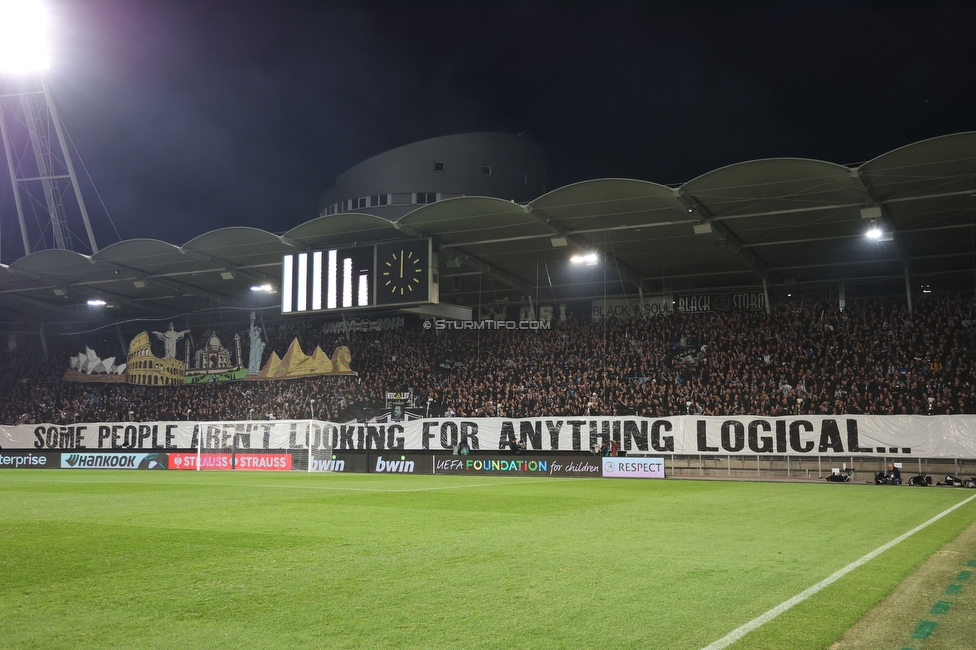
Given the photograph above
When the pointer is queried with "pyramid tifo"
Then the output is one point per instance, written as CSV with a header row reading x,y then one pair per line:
x,y
322,360
271,367
296,363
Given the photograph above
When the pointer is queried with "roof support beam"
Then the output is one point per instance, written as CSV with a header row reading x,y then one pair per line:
x,y
752,260
33,302
224,265
903,252
495,273
624,271
474,262
294,243
173,285
106,293
744,215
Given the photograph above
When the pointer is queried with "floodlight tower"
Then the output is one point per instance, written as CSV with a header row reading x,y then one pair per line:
x,y
40,167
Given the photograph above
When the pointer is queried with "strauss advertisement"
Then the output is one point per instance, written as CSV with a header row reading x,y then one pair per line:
x,y
281,462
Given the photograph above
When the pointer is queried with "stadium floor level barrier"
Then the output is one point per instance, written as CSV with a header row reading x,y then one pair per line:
x,y
861,468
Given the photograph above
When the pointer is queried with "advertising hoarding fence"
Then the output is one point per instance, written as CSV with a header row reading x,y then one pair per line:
x,y
582,464
17,459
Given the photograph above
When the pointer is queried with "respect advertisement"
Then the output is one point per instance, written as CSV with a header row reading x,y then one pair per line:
x,y
633,467
897,436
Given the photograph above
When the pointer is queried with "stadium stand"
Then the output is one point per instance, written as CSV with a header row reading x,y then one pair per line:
x,y
762,228
872,358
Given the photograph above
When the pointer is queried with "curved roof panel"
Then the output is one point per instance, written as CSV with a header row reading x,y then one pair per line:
x,y
149,256
238,245
610,203
943,165
787,220
34,274
773,184
130,249
231,237
472,218
344,229
54,262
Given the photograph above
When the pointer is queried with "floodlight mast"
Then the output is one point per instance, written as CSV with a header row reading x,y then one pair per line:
x,y
59,130
8,150
23,61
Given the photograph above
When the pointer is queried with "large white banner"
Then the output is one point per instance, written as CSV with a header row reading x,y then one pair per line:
x,y
947,436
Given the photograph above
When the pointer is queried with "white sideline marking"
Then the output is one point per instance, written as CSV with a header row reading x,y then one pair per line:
x,y
740,632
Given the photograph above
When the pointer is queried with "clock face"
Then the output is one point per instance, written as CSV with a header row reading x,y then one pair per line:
x,y
402,274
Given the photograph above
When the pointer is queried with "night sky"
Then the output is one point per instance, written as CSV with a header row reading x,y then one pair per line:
x,y
191,116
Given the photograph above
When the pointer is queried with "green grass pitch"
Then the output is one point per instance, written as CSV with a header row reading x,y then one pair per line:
x,y
112,559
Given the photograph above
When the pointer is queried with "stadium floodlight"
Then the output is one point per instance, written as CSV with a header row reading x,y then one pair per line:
x,y
874,232
590,259
24,44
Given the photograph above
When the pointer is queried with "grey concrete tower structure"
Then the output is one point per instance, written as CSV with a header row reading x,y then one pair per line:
x,y
393,183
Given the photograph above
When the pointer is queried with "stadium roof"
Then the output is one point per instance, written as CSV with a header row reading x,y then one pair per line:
x,y
788,221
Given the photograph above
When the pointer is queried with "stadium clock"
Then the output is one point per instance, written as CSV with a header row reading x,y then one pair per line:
x,y
403,272
395,273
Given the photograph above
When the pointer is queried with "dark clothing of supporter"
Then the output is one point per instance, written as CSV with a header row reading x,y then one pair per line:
x,y
890,477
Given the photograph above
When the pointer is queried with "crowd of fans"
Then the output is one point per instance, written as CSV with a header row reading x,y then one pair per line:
x,y
872,358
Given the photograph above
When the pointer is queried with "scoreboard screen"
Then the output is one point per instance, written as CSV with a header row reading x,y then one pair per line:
x,y
395,273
